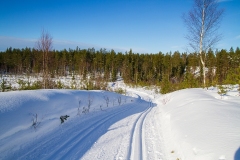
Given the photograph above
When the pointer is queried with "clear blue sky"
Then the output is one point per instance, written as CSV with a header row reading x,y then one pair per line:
x,y
145,26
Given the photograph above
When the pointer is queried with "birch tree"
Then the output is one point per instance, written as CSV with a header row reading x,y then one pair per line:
x,y
203,22
44,44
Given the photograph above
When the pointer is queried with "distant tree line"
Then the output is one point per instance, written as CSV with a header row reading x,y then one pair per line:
x,y
170,71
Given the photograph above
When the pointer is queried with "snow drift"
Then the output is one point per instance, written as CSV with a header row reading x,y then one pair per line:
x,y
199,125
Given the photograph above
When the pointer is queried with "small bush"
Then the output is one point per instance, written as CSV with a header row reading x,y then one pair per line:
x,y
119,100
63,118
106,99
60,85
27,85
35,122
85,110
79,105
222,91
120,91
4,86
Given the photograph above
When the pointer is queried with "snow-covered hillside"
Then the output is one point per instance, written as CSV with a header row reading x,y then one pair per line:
x,y
191,124
199,125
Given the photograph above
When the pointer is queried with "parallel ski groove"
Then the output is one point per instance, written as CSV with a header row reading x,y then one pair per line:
x,y
135,138
83,133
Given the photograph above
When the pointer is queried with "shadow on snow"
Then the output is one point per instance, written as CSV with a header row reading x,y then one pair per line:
x,y
73,141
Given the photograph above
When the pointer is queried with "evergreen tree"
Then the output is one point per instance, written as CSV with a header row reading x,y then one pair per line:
x,y
211,65
222,65
165,85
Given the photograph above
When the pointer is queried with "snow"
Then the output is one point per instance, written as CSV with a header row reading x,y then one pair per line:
x,y
203,125
190,124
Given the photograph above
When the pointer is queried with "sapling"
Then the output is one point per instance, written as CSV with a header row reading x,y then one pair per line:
x,y
35,122
90,101
113,102
86,109
119,100
107,100
222,91
79,105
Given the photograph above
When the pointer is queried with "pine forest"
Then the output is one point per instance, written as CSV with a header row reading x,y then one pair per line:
x,y
168,71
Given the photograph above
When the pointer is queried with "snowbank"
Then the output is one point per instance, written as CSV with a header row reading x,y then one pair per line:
x,y
199,125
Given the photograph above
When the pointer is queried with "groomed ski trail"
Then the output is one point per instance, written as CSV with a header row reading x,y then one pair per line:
x,y
124,132
138,137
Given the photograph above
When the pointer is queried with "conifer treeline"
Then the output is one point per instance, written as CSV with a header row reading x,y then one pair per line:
x,y
171,70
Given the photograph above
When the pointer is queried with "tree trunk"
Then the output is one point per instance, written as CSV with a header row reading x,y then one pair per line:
x,y
201,45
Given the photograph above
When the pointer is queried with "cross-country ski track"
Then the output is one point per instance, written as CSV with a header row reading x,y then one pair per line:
x,y
125,128
188,124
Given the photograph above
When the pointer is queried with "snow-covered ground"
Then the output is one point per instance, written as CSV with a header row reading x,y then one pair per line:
x,y
191,124
199,125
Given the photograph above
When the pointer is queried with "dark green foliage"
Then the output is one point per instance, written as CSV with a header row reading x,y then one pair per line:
x,y
222,90
3,85
170,71
120,91
222,65
27,85
60,85
166,85
233,76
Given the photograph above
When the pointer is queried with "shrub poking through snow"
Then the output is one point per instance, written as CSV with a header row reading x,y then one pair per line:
x,y
35,121
113,102
222,91
106,99
90,101
85,110
120,91
119,100
79,104
63,118
4,85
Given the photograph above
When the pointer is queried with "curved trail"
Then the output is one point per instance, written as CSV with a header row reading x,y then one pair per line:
x,y
123,132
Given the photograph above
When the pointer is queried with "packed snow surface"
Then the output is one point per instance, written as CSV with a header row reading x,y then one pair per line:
x,y
191,124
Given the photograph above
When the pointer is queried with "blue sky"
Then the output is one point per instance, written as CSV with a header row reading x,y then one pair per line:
x,y
145,26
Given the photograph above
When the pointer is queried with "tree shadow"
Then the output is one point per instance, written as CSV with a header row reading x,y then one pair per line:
x,y
237,154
